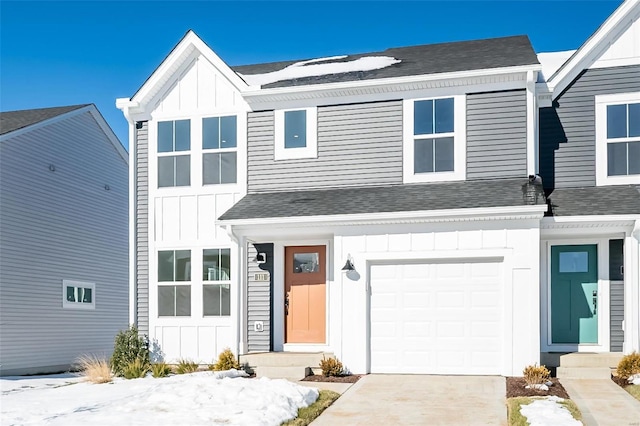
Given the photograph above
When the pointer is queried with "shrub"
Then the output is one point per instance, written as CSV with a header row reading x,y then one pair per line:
x,y
226,361
331,367
129,346
536,374
94,369
186,366
135,369
160,369
629,365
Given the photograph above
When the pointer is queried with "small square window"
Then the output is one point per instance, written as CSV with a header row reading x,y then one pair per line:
x,y
216,264
174,300
78,295
216,300
174,265
295,134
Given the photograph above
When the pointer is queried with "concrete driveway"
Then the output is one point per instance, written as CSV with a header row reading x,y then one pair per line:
x,y
390,399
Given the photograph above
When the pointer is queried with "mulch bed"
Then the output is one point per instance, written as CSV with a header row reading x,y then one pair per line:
x,y
623,383
333,379
516,387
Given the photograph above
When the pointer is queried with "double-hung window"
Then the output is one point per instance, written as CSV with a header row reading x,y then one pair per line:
x,y
618,139
174,300
219,147
434,139
296,134
174,144
216,275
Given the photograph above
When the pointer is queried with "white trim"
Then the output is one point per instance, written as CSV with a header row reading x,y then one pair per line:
x,y
459,142
601,103
532,124
78,305
602,247
311,148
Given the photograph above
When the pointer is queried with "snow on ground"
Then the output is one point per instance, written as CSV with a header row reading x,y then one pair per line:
x,y
304,69
203,398
548,412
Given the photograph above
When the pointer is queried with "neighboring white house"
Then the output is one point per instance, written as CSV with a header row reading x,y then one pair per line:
x,y
252,186
63,238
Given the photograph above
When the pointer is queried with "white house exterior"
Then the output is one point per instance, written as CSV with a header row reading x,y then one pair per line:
x,y
63,238
412,166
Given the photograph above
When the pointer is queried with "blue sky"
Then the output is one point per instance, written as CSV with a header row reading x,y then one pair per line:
x,y
56,53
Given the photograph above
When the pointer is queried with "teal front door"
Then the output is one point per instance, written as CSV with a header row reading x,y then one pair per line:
x,y
574,294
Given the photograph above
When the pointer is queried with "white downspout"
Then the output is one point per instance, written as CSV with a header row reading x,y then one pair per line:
x,y
632,290
532,124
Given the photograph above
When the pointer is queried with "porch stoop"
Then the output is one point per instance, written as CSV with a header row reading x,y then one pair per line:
x,y
283,365
584,365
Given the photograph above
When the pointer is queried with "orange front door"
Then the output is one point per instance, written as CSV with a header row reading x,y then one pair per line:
x,y
305,294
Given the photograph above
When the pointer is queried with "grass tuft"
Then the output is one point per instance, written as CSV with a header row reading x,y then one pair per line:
x,y
135,369
515,418
226,361
308,414
95,369
634,390
186,366
160,369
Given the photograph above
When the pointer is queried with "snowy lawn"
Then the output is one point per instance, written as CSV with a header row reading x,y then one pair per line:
x,y
202,398
547,411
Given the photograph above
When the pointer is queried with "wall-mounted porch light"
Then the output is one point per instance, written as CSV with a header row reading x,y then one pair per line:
x,y
348,266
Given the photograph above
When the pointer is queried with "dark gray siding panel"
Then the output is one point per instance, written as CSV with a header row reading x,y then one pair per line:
x,y
616,277
142,227
61,225
259,299
358,145
496,135
567,130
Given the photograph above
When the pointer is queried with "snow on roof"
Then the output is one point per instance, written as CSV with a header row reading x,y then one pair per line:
x,y
552,61
313,68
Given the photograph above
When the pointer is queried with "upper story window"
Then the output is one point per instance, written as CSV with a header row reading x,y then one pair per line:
x,y
78,295
219,147
216,274
618,139
434,139
296,134
174,266
174,137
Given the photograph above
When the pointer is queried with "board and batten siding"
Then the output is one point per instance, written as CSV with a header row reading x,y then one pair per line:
x,y
142,227
259,298
567,130
359,144
496,135
60,222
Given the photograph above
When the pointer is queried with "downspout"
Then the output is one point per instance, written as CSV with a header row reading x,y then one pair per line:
x,y
634,266
532,124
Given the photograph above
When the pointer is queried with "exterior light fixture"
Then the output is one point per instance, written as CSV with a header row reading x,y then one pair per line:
x,y
348,266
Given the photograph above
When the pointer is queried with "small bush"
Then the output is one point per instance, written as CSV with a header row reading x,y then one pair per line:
x,y
129,346
226,361
135,369
186,366
629,365
331,367
94,369
160,369
536,374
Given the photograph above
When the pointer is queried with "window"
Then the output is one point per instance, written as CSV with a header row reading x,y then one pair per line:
x,y
296,134
174,266
216,273
434,139
174,137
618,139
78,295
219,144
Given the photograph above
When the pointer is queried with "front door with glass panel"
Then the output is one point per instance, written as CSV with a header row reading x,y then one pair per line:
x,y
305,294
574,294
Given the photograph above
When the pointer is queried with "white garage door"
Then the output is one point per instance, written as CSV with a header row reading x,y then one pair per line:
x,y
437,318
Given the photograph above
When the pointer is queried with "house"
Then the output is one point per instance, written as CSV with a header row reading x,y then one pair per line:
x,y
63,238
417,168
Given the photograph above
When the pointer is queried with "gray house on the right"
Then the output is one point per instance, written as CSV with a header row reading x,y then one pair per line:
x,y
589,161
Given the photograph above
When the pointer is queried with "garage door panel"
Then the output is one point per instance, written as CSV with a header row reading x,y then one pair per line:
x,y
446,322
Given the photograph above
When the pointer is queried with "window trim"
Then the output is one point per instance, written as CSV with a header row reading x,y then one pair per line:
x,y
601,141
310,151
459,142
78,305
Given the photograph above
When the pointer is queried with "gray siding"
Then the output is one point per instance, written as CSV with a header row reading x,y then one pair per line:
x,y
259,299
358,145
567,130
496,135
59,225
616,277
142,227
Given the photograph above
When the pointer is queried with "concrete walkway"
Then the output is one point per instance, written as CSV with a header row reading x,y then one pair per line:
x,y
602,402
419,400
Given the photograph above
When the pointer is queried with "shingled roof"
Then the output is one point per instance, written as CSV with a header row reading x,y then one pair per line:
x,y
420,60
15,120
381,199
597,200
